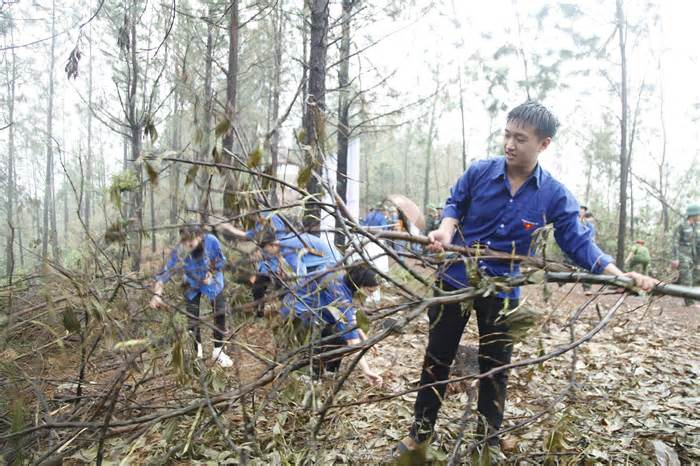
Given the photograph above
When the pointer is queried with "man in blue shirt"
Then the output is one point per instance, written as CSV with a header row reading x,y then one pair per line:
x,y
201,260
499,203
375,219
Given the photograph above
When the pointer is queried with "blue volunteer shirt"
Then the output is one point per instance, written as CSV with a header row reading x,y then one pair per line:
x,y
195,268
272,221
304,253
327,300
375,219
314,252
489,215
591,226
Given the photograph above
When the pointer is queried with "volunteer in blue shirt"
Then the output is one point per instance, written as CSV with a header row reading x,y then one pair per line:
x,y
375,219
264,222
316,298
201,260
499,203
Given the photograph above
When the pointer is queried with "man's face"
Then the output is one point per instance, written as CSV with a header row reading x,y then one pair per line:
x,y
522,145
191,244
694,219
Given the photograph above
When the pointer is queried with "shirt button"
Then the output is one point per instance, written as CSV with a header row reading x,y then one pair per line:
x,y
503,225
511,200
488,243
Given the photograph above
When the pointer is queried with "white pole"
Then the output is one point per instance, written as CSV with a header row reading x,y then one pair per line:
x,y
352,194
330,176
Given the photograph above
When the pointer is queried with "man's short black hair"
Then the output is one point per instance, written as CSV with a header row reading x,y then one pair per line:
x,y
536,115
266,236
190,231
360,276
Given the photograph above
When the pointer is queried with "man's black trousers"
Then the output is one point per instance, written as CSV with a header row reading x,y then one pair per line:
x,y
447,322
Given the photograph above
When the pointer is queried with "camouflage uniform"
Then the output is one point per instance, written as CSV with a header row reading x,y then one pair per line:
x,y
686,250
640,257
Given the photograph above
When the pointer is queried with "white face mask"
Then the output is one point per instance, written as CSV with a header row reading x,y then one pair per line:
x,y
366,291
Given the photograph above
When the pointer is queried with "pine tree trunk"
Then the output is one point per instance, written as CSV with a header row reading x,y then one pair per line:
x,y
11,178
50,233
88,191
205,151
624,167
277,82
343,134
153,217
231,90
175,167
315,122
631,195
135,124
20,243
343,101
65,215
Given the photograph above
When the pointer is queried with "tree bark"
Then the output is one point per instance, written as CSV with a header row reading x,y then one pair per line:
x,y
277,82
231,90
315,123
88,191
624,167
343,133
206,140
50,233
343,101
11,179
153,217
175,167
135,125
65,215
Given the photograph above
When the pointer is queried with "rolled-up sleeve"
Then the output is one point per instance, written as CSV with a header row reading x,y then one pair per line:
x,y
169,269
217,260
349,314
574,238
457,203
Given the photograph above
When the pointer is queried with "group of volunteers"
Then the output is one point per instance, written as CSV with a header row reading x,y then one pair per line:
x,y
499,202
317,291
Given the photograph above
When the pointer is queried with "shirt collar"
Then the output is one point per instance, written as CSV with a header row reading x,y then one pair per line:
x,y
500,172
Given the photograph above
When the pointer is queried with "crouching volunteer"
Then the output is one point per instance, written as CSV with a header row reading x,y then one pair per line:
x,y
266,223
318,297
201,260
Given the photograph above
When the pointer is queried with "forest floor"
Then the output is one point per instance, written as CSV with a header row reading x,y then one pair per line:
x,y
634,395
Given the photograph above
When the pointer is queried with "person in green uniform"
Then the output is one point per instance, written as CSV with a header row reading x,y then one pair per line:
x,y
432,221
686,250
639,257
